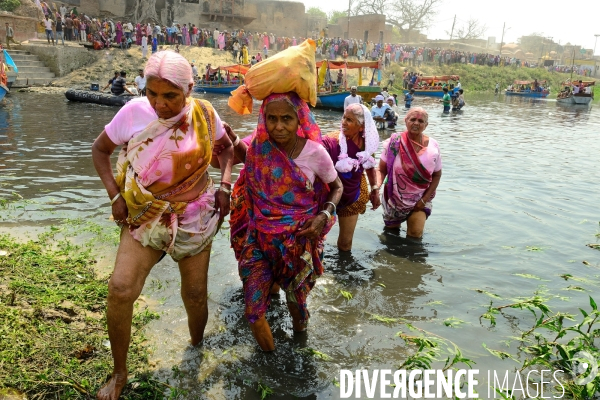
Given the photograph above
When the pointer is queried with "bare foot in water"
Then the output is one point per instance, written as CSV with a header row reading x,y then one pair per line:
x,y
112,389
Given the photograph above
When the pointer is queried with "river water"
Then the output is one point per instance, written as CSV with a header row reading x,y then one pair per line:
x,y
517,203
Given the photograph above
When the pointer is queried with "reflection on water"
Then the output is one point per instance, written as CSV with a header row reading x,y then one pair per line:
x,y
517,173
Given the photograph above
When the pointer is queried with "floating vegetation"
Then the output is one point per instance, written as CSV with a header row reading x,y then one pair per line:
x,y
498,353
576,288
263,390
453,322
381,284
385,320
434,303
529,276
345,294
595,246
534,248
493,295
315,353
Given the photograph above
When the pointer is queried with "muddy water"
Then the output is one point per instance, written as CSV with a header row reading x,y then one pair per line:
x,y
519,195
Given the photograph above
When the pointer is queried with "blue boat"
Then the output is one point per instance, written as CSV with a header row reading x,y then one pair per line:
x,y
216,88
12,70
433,93
528,89
432,85
3,91
332,100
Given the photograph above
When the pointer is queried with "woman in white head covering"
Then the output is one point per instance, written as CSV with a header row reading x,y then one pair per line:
x,y
352,149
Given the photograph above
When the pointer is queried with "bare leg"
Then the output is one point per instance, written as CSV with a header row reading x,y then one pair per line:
x,y
132,266
347,227
416,224
263,335
297,323
194,292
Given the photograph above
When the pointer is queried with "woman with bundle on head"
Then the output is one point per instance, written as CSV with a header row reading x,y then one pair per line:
x,y
287,193
410,168
162,197
352,149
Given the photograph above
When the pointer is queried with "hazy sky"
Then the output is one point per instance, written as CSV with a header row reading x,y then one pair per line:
x,y
562,20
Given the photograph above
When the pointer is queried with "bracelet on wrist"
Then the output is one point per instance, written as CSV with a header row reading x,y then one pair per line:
x,y
236,141
114,199
334,206
327,213
225,189
423,202
226,183
375,187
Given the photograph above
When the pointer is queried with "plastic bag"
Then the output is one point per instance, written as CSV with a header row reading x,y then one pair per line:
x,y
291,70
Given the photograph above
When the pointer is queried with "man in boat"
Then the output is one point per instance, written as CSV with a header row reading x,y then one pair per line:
x,y
110,81
119,85
352,98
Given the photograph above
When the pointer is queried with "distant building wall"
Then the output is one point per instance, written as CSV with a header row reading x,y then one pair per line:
x,y
112,7
284,18
370,27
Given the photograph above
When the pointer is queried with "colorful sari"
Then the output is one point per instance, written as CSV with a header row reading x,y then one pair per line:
x,y
182,228
411,181
278,199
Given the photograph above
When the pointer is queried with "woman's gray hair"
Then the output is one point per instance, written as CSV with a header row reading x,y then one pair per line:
x,y
419,110
358,112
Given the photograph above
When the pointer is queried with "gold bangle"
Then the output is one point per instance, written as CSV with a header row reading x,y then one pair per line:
x,y
224,189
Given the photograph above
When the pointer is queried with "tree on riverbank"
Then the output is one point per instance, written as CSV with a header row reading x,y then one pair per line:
x,y
9,5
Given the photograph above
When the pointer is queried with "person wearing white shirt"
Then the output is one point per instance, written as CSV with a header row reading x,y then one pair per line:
x,y
140,83
378,111
352,98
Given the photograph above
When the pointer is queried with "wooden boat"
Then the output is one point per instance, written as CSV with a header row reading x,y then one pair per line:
x,y
12,71
527,89
4,90
220,81
581,98
88,96
433,86
333,96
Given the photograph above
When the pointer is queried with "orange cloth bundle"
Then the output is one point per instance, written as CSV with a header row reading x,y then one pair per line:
x,y
292,70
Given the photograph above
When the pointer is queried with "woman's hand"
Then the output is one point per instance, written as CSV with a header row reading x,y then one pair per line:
x,y
222,203
313,227
375,199
119,211
218,148
420,205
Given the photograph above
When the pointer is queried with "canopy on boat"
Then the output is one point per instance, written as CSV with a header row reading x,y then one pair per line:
x,y
517,82
349,64
585,83
234,69
441,78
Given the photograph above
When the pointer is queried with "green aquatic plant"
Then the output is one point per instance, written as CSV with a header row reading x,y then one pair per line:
x,y
385,320
453,322
315,353
263,390
534,248
345,294
529,276
493,295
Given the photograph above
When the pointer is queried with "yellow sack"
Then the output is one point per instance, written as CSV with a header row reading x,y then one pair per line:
x,y
292,70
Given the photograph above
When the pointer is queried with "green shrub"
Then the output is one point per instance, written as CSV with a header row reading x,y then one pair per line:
x,y
9,5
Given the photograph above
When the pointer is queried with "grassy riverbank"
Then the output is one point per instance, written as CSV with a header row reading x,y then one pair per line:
x,y
479,78
53,339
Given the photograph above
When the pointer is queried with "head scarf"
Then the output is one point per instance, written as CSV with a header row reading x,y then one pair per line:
x,y
379,98
172,67
365,158
280,197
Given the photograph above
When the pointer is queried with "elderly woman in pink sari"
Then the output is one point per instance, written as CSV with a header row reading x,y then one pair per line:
x,y
410,168
162,197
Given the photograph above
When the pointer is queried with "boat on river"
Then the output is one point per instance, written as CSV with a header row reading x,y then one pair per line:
x,y
4,90
332,95
90,96
221,80
11,69
568,97
433,86
3,81
528,89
